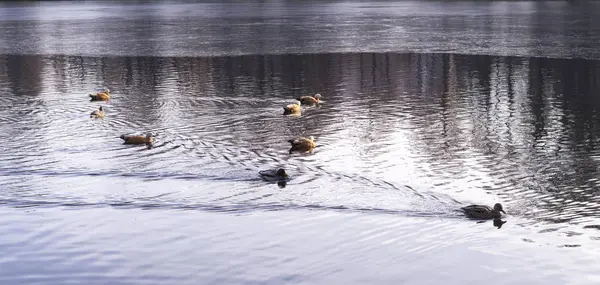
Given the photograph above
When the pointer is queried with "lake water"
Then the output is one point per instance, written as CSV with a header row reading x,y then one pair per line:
x,y
428,107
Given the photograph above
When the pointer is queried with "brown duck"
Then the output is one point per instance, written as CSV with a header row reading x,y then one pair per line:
x,y
292,109
97,113
483,212
303,144
101,96
310,100
137,139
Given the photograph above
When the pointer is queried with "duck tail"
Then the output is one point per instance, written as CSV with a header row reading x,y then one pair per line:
x,y
122,137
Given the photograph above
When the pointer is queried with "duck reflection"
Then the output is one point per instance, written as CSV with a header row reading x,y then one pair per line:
x,y
496,222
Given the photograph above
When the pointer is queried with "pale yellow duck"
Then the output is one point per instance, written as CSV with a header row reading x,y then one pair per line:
x,y
97,113
137,139
303,144
294,109
101,96
310,100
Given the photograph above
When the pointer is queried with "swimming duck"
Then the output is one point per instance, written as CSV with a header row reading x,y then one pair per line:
x,y
310,100
274,175
483,212
292,109
302,144
101,96
97,113
137,139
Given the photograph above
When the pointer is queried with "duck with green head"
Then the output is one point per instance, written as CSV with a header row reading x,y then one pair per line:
x,y
97,113
274,175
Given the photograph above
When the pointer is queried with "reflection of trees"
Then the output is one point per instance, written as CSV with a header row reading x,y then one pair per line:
x,y
24,74
555,135
21,82
531,124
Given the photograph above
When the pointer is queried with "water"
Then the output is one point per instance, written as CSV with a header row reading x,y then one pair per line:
x,y
413,126
537,28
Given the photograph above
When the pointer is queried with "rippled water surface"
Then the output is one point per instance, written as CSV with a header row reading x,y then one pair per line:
x,y
403,140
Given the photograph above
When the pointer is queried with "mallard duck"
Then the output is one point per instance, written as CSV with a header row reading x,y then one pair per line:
x,y
292,109
310,100
483,212
274,175
302,144
101,96
97,113
137,139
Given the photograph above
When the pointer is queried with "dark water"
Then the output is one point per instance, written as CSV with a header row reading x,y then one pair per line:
x,y
403,140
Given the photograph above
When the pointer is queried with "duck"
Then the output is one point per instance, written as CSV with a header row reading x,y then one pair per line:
x,y
101,96
302,144
137,139
274,175
483,212
97,113
292,109
310,100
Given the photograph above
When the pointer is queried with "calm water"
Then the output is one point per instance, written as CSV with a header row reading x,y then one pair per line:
x,y
423,114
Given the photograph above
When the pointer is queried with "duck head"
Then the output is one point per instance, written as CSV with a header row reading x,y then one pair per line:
x,y
318,97
498,207
281,173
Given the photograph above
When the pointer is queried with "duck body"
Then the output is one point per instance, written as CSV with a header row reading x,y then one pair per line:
x,y
302,144
97,113
274,175
101,96
310,100
137,139
295,109
483,212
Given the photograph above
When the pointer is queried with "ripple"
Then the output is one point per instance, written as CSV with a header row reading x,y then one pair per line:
x,y
396,140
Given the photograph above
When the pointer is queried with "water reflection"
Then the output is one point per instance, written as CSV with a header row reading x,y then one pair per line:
x,y
472,128
498,223
525,28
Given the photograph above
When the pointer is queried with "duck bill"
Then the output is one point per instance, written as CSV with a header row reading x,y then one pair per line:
x,y
502,211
